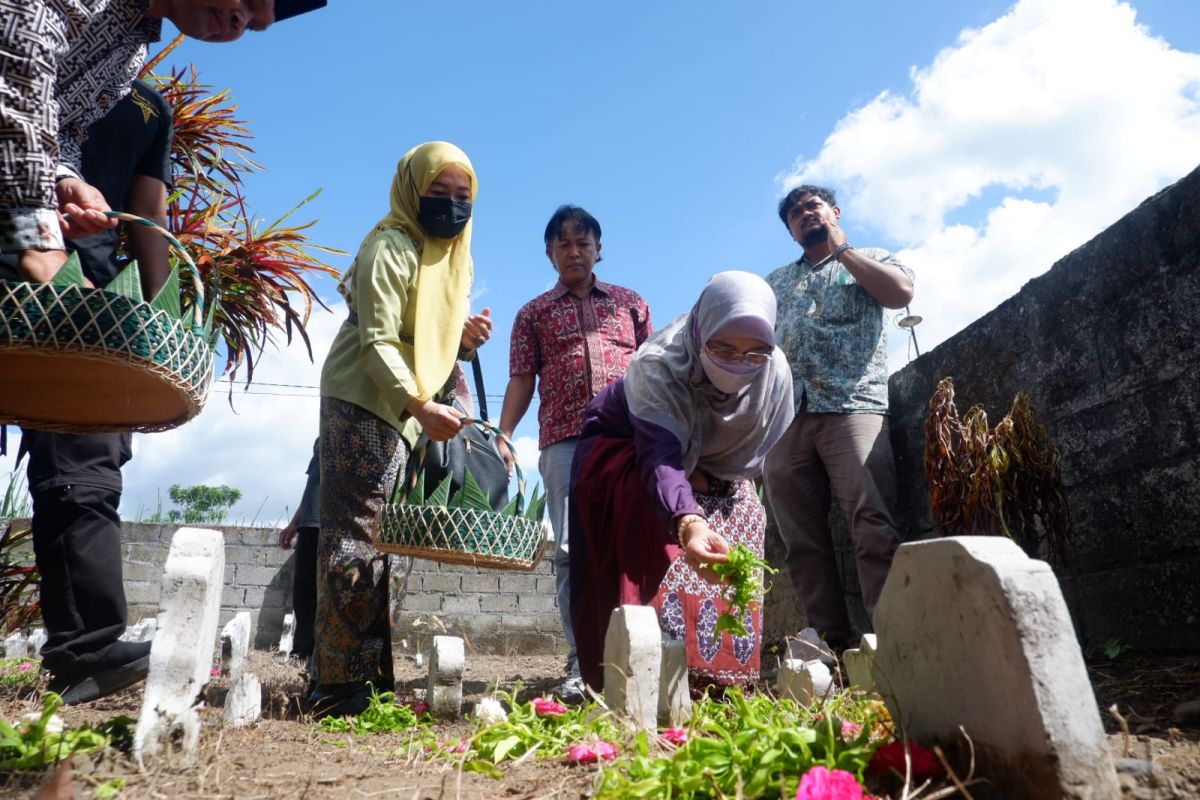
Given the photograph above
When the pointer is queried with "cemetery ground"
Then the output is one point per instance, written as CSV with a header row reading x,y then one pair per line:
x,y
288,755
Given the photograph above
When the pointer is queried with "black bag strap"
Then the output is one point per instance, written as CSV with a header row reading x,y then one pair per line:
x,y
480,397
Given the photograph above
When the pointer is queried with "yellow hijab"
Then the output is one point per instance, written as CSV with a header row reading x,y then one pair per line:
x,y
445,271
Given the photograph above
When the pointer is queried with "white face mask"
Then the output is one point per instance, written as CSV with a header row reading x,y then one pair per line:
x,y
726,380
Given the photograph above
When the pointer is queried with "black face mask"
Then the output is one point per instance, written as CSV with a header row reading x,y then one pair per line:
x,y
443,217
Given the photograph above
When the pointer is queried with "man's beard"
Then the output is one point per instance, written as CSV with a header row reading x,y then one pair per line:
x,y
815,236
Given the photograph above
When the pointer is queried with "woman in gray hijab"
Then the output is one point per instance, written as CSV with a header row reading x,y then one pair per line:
x,y
662,479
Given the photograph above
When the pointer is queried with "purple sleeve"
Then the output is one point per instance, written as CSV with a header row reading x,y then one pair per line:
x,y
659,454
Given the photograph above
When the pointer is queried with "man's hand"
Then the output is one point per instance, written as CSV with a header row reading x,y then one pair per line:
x,y
40,266
477,330
510,458
288,535
837,236
439,422
85,205
703,546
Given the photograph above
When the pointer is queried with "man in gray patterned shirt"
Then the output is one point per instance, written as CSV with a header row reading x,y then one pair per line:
x,y
831,326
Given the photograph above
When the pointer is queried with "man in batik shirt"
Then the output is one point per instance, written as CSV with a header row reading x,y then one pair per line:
x,y
831,326
571,341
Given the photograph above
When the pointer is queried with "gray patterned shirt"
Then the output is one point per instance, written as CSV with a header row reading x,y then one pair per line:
x,y
834,335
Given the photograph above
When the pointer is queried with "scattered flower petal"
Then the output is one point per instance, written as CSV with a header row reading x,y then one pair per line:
x,y
676,736
820,783
489,711
891,757
850,729
25,666
420,708
591,753
606,750
214,672
548,708
581,754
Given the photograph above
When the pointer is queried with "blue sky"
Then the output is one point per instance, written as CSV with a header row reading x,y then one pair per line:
x,y
980,140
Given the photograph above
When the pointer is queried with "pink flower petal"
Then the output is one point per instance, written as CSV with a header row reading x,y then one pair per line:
x,y
548,708
820,783
606,750
581,754
676,736
24,666
421,708
850,729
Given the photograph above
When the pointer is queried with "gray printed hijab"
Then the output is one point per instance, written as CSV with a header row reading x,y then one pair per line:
x,y
727,435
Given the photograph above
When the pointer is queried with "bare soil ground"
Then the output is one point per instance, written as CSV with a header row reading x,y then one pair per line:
x,y
289,756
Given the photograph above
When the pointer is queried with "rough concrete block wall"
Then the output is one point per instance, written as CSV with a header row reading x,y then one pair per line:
x,y
1106,346
497,611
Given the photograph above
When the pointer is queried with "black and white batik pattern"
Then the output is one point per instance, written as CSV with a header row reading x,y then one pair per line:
x,y
63,64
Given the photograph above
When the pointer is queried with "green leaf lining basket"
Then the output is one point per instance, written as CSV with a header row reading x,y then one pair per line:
x,y
80,360
464,529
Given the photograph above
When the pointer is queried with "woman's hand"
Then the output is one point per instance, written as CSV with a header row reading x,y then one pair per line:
x,y
439,422
703,546
477,330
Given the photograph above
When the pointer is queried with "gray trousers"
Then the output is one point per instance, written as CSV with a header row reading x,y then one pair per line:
x,y
819,458
554,464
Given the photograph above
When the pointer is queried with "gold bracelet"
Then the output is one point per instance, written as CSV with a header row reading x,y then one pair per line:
x,y
682,525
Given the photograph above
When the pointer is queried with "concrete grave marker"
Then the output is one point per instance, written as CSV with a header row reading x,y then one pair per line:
x,y
243,703
807,646
443,688
289,633
803,681
674,699
858,664
15,645
973,632
235,644
182,652
633,664
36,640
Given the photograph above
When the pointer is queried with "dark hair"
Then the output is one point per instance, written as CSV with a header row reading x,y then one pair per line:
x,y
569,213
793,197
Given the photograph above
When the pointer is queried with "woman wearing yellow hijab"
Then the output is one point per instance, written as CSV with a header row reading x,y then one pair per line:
x,y
408,297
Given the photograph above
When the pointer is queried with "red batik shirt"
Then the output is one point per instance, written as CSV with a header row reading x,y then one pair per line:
x,y
576,346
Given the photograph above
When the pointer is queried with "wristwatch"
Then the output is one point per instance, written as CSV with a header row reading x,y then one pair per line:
x,y
841,248
682,525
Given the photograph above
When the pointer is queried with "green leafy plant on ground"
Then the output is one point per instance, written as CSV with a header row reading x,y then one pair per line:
x,y
743,573
1115,648
383,715
44,741
1006,479
746,746
19,673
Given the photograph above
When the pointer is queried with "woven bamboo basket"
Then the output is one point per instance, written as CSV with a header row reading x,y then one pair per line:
x,y
463,535
80,360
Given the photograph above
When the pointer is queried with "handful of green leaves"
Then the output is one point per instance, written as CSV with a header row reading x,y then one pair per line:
x,y
741,574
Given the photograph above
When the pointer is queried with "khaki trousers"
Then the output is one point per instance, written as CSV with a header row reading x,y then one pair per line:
x,y
819,458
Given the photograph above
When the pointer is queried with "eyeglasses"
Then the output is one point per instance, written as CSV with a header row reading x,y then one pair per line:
x,y
755,357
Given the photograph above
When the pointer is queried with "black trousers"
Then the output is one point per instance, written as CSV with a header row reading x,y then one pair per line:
x,y
75,481
304,590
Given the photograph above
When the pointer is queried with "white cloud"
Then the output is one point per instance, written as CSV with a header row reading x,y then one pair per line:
x,y
1071,99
